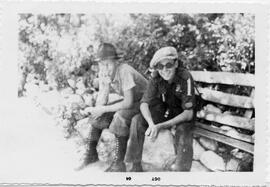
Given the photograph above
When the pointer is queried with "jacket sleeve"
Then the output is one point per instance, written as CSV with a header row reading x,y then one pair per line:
x,y
150,93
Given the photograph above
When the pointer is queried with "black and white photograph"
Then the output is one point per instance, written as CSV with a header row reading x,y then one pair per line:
x,y
133,97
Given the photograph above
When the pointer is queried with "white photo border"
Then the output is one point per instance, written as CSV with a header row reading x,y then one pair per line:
x,y
8,96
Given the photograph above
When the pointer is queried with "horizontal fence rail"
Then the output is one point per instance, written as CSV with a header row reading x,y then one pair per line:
x,y
224,139
226,127
226,119
225,98
239,136
224,78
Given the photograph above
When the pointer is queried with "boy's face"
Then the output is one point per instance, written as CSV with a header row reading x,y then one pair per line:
x,y
107,67
166,69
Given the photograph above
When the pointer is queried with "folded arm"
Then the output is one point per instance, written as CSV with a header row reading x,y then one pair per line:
x,y
126,103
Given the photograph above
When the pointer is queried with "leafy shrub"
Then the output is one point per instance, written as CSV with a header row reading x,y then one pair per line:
x,y
55,46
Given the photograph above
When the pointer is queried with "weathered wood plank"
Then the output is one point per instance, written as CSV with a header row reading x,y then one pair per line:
x,y
249,113
226,119
224,78
226,140
237,135
226,99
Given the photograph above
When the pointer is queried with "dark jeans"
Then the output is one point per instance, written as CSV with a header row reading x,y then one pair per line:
x,y
117,122
183,138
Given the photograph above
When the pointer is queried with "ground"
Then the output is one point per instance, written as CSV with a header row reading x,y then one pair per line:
x,y
33,149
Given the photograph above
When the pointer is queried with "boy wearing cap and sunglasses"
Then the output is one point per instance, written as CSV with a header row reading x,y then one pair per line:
x,y
168,101
125,81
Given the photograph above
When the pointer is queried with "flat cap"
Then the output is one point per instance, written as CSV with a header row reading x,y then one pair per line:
x,y
163,53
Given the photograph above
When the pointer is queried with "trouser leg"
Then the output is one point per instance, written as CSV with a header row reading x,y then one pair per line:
x,y
136,139
121,121
137,132
184,140
120,128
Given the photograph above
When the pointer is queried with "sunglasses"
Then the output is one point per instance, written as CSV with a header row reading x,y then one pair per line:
x,y
160,66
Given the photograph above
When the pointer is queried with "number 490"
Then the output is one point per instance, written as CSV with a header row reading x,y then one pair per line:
x,y
155,178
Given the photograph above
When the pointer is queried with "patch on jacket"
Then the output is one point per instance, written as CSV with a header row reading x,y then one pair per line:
x,y
178,88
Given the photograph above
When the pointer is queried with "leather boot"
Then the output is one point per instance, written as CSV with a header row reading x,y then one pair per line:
x,y
118,164
91,154
136,167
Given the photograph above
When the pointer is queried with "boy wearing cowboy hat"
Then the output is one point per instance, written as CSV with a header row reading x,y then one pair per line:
x,y
168,101
125,81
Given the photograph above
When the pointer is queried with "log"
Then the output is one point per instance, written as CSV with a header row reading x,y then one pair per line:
x,y
226,119
224,78
226,99
226,140
239,136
